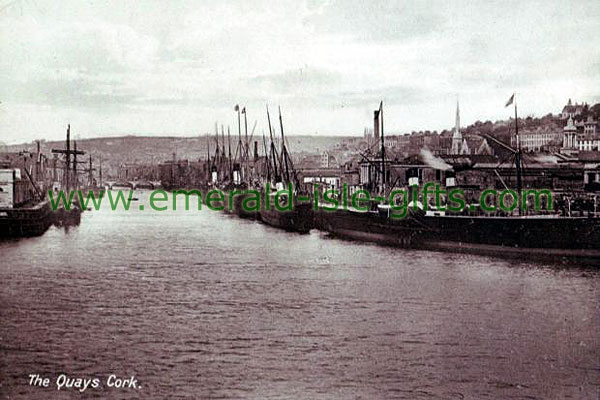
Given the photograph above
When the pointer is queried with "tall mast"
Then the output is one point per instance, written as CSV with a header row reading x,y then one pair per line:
x,y
246,158
207,150
216,160
223,163
229,153
284,155
237,108
90,176
266,157
518,165
68,161
208,166
382,148
246,130
223,140
239,145
75,177
273,150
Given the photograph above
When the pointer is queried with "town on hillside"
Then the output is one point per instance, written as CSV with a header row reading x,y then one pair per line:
x,y
561,151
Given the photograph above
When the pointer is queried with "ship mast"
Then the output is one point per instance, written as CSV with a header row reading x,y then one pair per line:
x,y
382,149
229,153
246,158
284,153
518,160
90,174
207,151
100,171
267,162
273,150
239,148
67,152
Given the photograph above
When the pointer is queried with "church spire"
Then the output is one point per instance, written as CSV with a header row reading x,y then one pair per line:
x,y
456,136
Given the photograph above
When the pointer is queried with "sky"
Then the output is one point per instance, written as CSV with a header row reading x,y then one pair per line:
x,y
177,67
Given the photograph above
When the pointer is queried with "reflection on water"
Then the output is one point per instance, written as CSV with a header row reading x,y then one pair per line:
x,y
204,305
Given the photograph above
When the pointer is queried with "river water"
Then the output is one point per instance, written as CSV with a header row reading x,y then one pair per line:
x,y
205,305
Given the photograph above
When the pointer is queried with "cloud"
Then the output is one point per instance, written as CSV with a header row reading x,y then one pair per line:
x,y
374,21
298,80
84,93
151,66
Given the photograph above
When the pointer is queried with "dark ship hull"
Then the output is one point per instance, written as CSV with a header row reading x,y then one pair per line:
x,y
238,208
25,221
215,204
299,219
543,236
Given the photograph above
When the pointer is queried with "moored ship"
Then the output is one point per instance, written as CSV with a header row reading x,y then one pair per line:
x,y
281,173
22,210
551,235
539,236
298,219
24,221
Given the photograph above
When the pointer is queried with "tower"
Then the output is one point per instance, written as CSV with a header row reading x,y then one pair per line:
x,y
570,135
456,136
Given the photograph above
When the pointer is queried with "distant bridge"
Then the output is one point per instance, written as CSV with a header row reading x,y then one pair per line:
x,y
122,184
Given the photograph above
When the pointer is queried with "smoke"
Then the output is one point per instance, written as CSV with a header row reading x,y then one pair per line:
x,y
546,158
434,162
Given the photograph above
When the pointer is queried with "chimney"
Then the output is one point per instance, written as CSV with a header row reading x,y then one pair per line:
x,y
255,150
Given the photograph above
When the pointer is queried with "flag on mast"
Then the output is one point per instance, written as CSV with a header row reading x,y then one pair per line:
x,y
236,108
510,101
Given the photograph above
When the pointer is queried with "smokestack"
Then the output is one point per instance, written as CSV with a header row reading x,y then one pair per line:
x,y
255,150
376,129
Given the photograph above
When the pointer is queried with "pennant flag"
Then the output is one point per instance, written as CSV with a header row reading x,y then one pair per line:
x,y
244,110
510,101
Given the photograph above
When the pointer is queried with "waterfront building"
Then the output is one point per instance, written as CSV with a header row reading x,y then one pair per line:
x,y
328,160
328,178
571,110
538,139
590,126
590,139
588,142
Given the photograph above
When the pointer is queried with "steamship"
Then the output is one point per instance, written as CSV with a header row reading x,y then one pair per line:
x,y
551,236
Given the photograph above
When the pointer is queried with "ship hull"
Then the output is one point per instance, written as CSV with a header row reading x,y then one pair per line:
x,y
300,219
370,226
25,221
545,237
238,208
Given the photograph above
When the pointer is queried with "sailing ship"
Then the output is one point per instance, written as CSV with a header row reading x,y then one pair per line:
x,y
241,173
218,170
544,236
281,174
70,181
